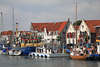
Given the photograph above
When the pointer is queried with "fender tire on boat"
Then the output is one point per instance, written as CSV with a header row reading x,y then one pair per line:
x,y
41,55
33,55
45,56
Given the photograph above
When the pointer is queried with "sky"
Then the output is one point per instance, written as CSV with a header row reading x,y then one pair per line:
x,y
32,11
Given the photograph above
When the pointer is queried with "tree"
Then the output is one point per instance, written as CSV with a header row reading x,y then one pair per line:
x,y
77,23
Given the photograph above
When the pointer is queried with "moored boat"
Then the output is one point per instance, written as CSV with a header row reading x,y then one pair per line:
x,y
95,57
26,50
78,57
14,52
21,51
46,53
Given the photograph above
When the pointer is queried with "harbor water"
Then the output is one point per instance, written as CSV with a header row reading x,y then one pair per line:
x,y
22,61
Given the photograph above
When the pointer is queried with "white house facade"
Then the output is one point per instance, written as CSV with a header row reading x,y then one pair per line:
x,y
70,35
78,34
49,36
84,32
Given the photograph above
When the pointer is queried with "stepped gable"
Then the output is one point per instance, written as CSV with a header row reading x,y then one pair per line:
x,y
50,26
92,24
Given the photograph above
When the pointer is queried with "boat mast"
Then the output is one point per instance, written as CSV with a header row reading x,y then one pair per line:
x,y
76,18
76,14
16,34
13,26
13,20
1,24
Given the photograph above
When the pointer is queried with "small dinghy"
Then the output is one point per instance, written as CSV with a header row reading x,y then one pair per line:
x,y
78,57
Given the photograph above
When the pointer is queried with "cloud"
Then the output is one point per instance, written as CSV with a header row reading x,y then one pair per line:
x,y
89,9
27,11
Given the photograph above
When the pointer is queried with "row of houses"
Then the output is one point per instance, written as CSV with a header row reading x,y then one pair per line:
x,y
88,31
85,32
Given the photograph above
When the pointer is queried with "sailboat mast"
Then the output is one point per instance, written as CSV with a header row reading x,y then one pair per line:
x,y
13,26
1,25
13,20
76,14
76,10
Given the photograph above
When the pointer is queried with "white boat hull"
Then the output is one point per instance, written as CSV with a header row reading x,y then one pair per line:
x,y
16,53
34,54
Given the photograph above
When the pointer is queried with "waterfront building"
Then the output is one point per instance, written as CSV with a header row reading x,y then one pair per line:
x,y
51,31
85,32
92,25
6,37
88,31
70,34
6,34
98,35
76,34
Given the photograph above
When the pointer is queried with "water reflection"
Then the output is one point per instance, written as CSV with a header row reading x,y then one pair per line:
x,y
22,61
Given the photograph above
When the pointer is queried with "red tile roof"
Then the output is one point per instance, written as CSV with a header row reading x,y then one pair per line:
x,y
6,33
92,23
52,26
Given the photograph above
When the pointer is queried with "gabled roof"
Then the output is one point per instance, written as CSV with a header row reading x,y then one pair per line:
x,y
92,24
50,26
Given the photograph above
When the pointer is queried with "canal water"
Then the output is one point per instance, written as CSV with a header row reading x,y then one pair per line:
x,y
22,61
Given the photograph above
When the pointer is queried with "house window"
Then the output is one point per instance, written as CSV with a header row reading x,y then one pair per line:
x,y
69,41
73,41
73,35
82,26
68,35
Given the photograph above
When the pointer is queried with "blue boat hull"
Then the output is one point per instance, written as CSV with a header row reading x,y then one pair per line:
x,y
95,57
27,50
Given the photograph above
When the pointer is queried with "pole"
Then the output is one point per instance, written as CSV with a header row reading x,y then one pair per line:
x,y
16,29
76,10
13,20
16,34
76,35
1,25
76,18
13,27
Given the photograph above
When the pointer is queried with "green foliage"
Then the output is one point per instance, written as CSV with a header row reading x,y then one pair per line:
x,y
77,22
58,38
